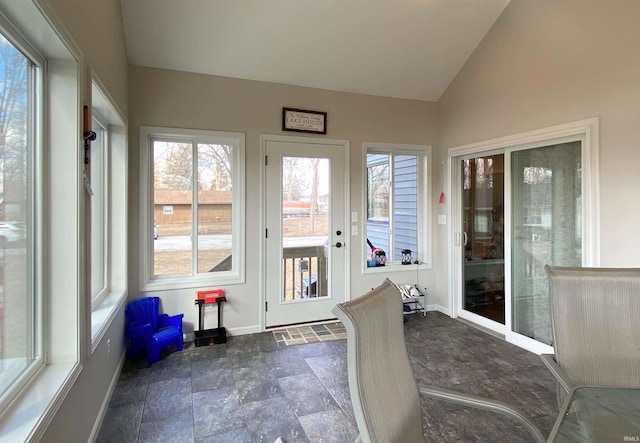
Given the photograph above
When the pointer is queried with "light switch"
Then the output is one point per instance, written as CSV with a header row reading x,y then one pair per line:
x,y
354,217
442,219
354,229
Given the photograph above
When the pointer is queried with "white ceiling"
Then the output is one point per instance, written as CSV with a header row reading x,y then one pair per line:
x,y
394,48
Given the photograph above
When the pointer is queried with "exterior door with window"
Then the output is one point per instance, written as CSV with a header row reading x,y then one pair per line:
x,y
306,254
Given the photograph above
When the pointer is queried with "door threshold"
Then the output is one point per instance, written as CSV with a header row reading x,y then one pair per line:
x,y
309,323
482,328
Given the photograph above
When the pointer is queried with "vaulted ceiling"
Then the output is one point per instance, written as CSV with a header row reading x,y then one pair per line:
x,y
394,48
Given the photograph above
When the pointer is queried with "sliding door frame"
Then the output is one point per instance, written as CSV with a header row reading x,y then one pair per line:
x,y
585,131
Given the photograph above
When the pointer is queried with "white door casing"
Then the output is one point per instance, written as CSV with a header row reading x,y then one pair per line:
x,y
292,299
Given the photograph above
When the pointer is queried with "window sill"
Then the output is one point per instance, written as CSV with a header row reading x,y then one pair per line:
x,y
28,417
102,315
395,268
162,284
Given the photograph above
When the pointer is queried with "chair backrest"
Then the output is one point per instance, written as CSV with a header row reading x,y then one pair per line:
x,y
595,317
144,310
383,390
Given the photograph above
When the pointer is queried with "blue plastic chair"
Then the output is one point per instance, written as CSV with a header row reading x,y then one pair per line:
x,y
150,331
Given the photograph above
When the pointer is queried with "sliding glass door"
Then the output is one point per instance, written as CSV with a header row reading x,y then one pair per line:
x,y
518,209
483,236
546,208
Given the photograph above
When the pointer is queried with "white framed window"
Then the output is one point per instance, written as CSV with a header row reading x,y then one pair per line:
x,y
200,176
21,88
41,298
107,210
99,167
396,202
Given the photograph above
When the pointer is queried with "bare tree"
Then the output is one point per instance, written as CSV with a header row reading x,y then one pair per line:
x,y
172,165
314,193
294,174
378,185
215,163
13,127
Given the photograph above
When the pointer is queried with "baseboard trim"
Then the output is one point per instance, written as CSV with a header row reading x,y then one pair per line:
x,y
107,399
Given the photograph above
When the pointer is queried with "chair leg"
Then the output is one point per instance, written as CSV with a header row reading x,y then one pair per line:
x,y
153,351
161,340
135,348
484,403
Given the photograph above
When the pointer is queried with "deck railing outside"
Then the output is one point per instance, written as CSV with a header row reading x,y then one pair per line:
x,y
304,272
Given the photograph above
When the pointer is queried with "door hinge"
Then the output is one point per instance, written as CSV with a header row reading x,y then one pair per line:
x,y
266,160
266,306
266,233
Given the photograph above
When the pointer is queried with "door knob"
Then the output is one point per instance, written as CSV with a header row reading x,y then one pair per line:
x,y
338,232
338,245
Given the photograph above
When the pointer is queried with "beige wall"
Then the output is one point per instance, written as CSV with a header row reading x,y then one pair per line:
x,y
549,62
184,100
97,28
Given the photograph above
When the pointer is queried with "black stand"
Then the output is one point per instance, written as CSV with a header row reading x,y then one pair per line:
x,y
205,337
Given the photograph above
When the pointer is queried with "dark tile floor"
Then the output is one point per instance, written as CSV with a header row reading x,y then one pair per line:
x,y
252,390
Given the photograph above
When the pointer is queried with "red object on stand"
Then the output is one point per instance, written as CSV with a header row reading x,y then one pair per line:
x,y
210,295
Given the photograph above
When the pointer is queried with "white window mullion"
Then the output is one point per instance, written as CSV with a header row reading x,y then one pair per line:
x,y
392,214
98,168
194,208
